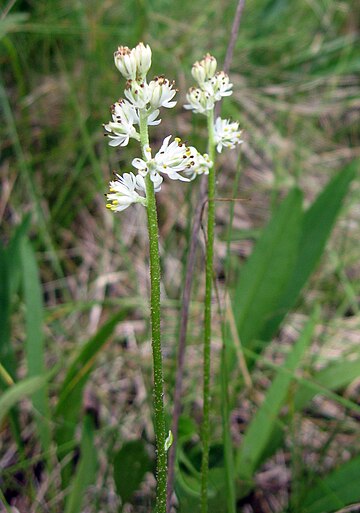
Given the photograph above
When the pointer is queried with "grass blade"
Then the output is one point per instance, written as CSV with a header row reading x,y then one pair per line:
x,y
335,491
86,468
261,427
319,220
70,394
265,275
34,346
20,390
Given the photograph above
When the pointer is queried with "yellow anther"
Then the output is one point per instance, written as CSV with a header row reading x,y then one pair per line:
x,y
108,205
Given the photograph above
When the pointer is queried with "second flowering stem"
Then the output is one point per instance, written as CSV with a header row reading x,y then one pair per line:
x,y
207,316
158,391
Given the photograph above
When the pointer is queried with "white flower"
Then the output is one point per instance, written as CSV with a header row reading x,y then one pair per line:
x,y
125,61
121,127
227,134
122,193
200,164
204,70
171,160
138,94
151,120
143,60
199,101
135,63
157,181
161,92
219,86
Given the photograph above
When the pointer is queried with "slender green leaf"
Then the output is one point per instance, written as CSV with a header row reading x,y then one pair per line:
x,y
7,355
131,463
14,254
319,220
86,468
265,275
70,395
24,388
12,22
35,339
334,491
334,377
83,364
261,427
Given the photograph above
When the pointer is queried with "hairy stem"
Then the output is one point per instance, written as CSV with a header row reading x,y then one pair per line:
x,y
207,318
158,390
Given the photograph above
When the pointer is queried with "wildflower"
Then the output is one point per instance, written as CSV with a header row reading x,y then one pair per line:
x,y
143,60
201,164
157,181
121,128
161,92
125,61
227,134
199,101
204,70
135,63
218,86
171,160
137,94
122,193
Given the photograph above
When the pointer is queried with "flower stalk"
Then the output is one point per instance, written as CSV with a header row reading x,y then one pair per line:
x,y
207,315
158,390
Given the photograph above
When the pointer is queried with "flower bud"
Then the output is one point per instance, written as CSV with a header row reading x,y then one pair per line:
x,y
125,62
143,60
204,70
199,101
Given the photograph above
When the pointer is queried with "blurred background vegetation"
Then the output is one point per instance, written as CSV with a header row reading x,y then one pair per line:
x,y
70,270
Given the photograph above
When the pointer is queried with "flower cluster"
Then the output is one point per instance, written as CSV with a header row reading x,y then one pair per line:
x,y
143,100
212,87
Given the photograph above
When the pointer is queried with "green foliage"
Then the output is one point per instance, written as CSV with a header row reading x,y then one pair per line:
x,y
69,405
267,271
335,491
258,433
86,468
130,465
34,344
318,222
18,391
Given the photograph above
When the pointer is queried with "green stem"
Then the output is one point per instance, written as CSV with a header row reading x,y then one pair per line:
x,y
158,392
207,318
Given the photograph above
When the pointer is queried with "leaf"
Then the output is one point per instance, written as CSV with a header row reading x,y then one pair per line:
x,y
86,468
319,220
260,429
81,368
264,276
334,491
10,273
34,345
334,377
70,394
7,356
131,463
12,22
20,390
